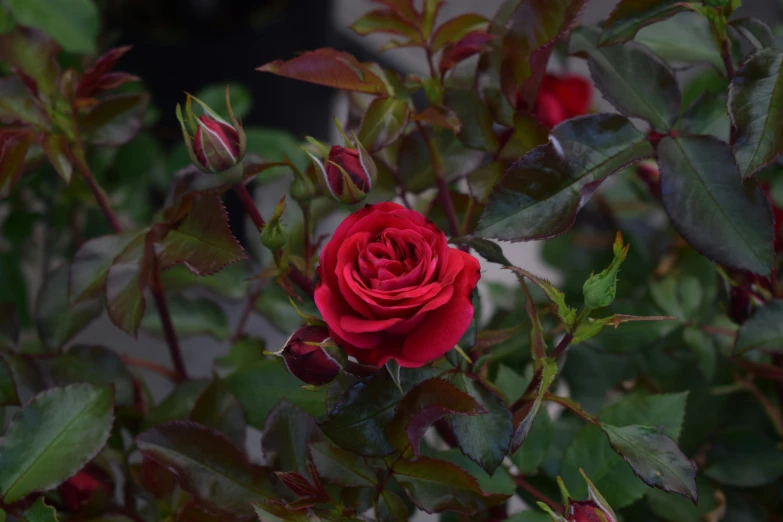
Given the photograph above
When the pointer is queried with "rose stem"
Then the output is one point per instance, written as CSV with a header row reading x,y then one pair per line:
x,y
151,366
250,207
158,294
249,303
307,232
522,483
440,181
561,347
725,53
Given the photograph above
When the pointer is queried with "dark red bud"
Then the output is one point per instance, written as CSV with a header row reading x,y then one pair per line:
x,y
79,489
739,304
307,361
587,511
216,144
358,183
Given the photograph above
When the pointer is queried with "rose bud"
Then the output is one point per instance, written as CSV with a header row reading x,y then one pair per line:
x,y
599,290
79,489
214,145
273,235
348,174
307,360
587,511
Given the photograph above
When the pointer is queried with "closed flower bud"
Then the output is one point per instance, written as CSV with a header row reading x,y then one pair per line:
x,y
307,360
587,511
273,235
348,174
599,290
303,188
214,145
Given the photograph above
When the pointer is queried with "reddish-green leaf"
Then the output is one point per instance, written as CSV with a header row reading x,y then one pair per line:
x,y
477,126
198,316
655,458
208,466
390,508
440,117
116,119
756,109
436,486
125,283
53,437
422,406
756,32
34,54
56,319
95,365
529,29
451,31
471,44
18,105
631,15
58,151
565,312
484,439
203,241
540,195
287,434
217,408
725,219
383,122
341,466
92,262
331,68
386,21
13,149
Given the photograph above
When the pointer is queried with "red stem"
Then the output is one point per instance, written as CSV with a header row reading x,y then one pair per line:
x,y
522,483
250,205
725,53
102,199
561,347
249,303
156,288
151,366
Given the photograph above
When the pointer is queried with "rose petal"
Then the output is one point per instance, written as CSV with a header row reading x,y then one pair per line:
x,y
332,308
352,324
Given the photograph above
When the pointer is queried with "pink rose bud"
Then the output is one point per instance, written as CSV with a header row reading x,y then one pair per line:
x,y
306,360
214,144
587,511
346,177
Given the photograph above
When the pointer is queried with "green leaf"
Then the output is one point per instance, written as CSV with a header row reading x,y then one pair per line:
x,y
14,284
123,288
259,386
529,457
116,119
26,50
592,327
386,21
56,320
707,115
231,282
485,438
684,38
631,15
216,407
654,458
451,31
436,486
39,512
53,437
244,352
358,421
533,398
92,262
383,123
200,316
275,305
512,384
633,79
724,219
178,405
487,249
203,241
590,451
58,152
540,195
702,346
342,467
756,108
9,326
95,365
288,432
8,393
764,329
215,97
756,32
330,68
477,126
390,507
744,457
675,508
74,25
276,511
207,466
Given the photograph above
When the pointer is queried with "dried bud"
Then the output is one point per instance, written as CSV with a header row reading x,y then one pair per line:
x,y
348,174
307,360
214,144
273,235
599,290
587,511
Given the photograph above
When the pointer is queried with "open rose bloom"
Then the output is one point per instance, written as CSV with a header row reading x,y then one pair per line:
x,y
392,288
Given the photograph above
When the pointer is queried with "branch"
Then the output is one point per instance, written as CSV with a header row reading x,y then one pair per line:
x,y
522,483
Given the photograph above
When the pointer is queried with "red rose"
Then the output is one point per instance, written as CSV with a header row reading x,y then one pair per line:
x,y
561,98
391,288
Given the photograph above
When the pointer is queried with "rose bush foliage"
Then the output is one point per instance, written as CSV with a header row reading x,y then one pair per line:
x,y
397,373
